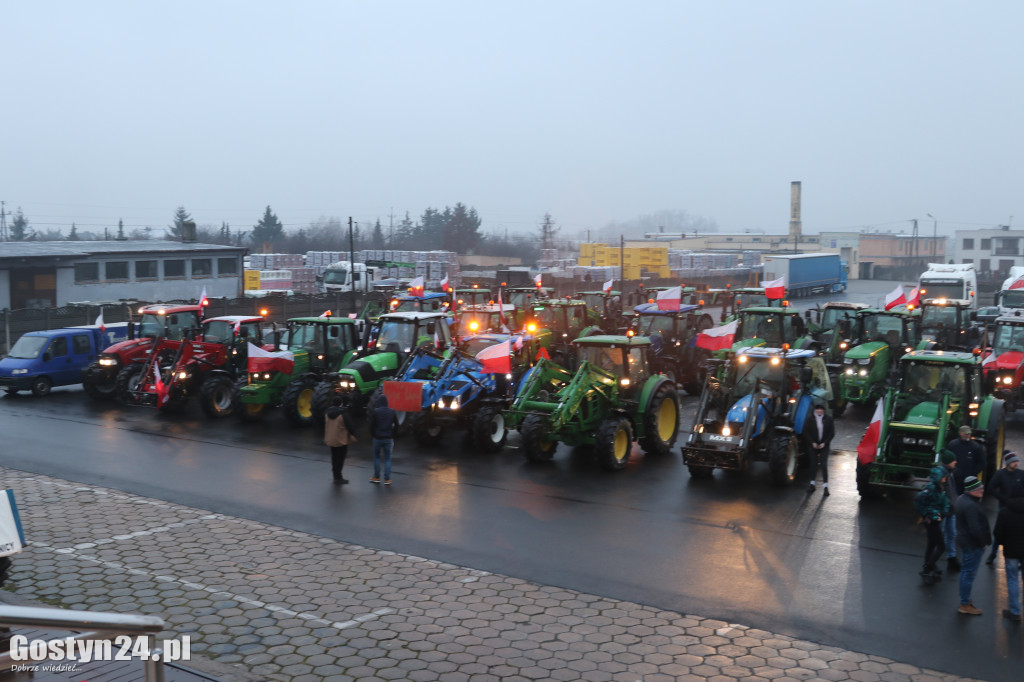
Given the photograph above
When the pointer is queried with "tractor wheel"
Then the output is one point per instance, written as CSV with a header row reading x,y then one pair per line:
x,y
488,429
700,472
297,401
865,487
661,421
782,460
425,430
127,381
537,446
101,391
995,440
217,396
41,386
322,397
613,443
247,412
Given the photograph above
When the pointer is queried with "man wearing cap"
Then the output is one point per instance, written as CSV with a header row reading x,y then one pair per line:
x,y
970,457
1006,483
974,535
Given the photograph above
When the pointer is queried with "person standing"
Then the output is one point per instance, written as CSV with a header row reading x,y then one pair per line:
x,y
974,535
970,457
948,460
818,433
933,506
338,430
1006,483
382,429
1009,532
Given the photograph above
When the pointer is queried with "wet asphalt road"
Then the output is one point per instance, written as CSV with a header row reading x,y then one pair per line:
x,y
832,570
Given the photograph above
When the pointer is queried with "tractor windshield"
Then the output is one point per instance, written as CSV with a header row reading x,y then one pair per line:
x,y
175,325
306,336
551,317
521,299
939,317
928,381
594,301
831,317
773,328
218,331
751,300
608,358
655,324
1008,337
397,336
748,371
878,327
473,297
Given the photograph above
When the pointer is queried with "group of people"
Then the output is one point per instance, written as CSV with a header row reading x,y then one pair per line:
x,y
339,433
950,508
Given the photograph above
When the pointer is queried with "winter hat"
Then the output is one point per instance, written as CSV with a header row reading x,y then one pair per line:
x,y
947,456
971,483
1010,458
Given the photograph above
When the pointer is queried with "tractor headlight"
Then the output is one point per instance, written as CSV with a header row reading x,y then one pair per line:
x,y
455,404
850,371
183,374
108,362
726,431
267,376
234,351
863,372
908,349
1008,379
843,345
907,440
775,361
624,381
319,357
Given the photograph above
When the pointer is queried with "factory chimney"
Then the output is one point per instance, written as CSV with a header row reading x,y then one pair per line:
x,y
795,226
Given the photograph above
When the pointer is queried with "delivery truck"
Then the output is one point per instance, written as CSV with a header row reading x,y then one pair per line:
x,y
950,281
38,361
807,274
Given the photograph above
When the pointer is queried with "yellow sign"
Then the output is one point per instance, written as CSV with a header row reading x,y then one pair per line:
x,y
252,280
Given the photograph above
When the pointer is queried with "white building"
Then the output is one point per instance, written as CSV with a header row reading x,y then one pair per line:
x,y
993,250
49,274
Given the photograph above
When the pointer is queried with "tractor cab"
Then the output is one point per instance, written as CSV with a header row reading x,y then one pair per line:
x,y
429,302
558,321
403,332
471,296
878,339
949,324
770,326
626,363
832,325
524,297
1004,362
168,321
604,308
479,319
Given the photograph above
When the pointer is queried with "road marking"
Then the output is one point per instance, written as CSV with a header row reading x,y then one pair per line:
x,y
138,534
221,594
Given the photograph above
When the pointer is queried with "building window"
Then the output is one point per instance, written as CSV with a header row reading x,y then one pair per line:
x,y
202,267
985,264
87,272
969,244
174,268
986,244
967,260
117,270
227,266
145,269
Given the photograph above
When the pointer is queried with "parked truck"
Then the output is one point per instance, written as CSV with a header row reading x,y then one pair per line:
x,y
952,281
38,361
343,276
807,274
1010,297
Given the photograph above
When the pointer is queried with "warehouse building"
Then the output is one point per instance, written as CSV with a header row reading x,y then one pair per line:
x,y
50,274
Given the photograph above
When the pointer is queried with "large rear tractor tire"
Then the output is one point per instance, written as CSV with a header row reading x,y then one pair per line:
x,y
783,459
488,429
995,440
425,430
217,396
865,488
100,391
613,443
537,445
297,401
127,381
322,398
661,421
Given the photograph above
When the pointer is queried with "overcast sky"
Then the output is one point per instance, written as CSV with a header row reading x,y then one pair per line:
x,y
593,111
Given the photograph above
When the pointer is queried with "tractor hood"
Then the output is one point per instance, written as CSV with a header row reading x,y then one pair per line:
x,y
866,350
747,343
923,414
741,408
127,346
1010,360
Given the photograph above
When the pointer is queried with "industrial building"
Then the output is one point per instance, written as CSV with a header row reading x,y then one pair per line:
x,y
50,274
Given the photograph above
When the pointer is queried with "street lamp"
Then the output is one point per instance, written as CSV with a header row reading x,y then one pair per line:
x,y
935,233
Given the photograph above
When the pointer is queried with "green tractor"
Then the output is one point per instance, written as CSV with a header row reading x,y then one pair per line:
x,y
392,340
612,399
604,309
937,393
556,322
769,326
878,340
949,324
316,345
673,335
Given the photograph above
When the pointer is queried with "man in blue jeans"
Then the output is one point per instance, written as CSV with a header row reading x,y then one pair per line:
x,y
382,429
974,535
1009,533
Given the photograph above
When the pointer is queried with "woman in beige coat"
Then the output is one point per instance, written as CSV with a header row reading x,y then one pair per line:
x,y
338,431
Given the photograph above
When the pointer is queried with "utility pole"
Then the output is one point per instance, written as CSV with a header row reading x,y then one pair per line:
x,y
917,246
3,222
352,254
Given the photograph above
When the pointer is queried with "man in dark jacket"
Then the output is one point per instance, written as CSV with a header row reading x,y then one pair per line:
x,y
382,429
948,460
1006,483
970,457
1009,533
818,433
974,535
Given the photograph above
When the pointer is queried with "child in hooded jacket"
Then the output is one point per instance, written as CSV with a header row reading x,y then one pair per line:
x,y
932,504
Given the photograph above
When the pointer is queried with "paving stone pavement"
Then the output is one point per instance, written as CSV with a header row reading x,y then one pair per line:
x,y
283,605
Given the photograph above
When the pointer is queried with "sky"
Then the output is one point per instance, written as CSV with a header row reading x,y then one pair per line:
x,y
592,111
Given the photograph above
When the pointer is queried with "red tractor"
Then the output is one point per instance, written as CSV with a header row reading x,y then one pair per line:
x,y
1004,362
204,365
157,321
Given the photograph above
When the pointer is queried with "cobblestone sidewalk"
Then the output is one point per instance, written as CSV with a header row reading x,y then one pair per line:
x,y
290,606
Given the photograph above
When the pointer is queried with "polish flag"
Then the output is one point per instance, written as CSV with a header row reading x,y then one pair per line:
x,y
670,298
914,298
1017,283
161,388
203,298
718,338
608,286
868,448
326,313
99,323
538,280
518,345
501,311
260,360
444,283
896,297
496,359
775,288
416,286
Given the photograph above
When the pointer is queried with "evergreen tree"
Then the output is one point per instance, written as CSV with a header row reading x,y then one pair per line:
x,y
378,236
405,233
225,233
73,235
181,216
461,230
430,230
19,227
268,230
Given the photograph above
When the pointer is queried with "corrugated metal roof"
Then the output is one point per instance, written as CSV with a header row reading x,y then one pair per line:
x,y
84,249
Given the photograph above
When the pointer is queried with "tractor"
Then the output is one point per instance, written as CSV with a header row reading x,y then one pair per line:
x,y
877,341
612,399
392,340
316,345
769,326
949,324
158,321
729,432
937,393
830,325
604,309
523,298
557,322
673,335
428,302
1004,363
471,320
204,364
471,296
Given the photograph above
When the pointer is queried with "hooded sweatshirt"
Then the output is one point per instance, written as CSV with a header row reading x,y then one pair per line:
x,y
932,503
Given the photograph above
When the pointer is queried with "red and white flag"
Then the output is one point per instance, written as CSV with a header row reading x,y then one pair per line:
x,y
868,448
326,313
203,299
1017,283
718,338
895,297
417,286
538,280
162,392
518,345
775,288
496,359
260,360
670,298
444,283
914,297
608,286
99,323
